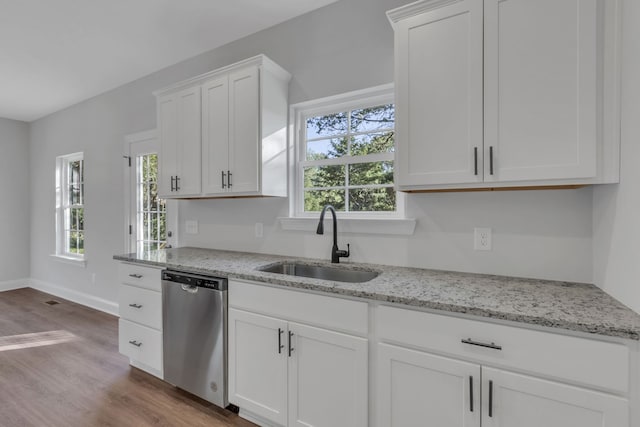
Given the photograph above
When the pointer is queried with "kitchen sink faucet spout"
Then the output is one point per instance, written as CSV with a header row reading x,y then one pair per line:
x,y
336,253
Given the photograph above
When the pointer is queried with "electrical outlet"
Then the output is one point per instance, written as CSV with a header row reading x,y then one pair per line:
x,y
259,230
482,239
191,226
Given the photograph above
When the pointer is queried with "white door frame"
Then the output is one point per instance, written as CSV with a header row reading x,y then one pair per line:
x,y
135,144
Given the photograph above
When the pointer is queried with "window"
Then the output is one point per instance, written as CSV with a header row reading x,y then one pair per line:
x,y
345,153
151,211
70,206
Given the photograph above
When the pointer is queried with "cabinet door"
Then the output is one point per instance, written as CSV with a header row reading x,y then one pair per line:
x,y
180,145
189,142
244,119
416,388
513,400
439,96
257,365
541,89
327,378
168,129
215,135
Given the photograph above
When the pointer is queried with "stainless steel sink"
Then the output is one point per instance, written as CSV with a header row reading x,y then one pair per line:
x,y
322,272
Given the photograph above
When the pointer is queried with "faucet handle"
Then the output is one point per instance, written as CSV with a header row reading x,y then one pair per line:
x,y
344,254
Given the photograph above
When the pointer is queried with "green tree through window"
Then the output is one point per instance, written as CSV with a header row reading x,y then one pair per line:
x,y
349,160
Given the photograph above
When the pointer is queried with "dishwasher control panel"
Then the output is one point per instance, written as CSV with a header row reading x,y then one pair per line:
x,y
217,283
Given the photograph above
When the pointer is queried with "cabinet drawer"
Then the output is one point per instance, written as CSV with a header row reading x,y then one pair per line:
x,y
333,313
141,306
140,343
581,360
137,275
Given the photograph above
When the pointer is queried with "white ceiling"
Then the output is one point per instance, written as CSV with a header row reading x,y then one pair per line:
x,y
55,53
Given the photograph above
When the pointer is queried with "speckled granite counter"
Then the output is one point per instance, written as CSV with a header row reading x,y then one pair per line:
x,y
571,306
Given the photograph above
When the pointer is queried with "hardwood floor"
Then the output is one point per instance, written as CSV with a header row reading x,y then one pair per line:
x,y
74,375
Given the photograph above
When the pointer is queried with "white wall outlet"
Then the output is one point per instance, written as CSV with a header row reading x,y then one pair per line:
x,y
482,239
191,226
259,229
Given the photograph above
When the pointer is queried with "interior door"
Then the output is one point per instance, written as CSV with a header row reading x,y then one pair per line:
x,y
328,383
258,364
514,400
414,387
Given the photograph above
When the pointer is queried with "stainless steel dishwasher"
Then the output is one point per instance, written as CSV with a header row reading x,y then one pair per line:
x,y
194,322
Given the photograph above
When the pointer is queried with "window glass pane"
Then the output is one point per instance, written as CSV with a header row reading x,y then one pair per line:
x,y
329,125
76,221
372,143
324,176
373,118
372,199
326,148
371,173
315,200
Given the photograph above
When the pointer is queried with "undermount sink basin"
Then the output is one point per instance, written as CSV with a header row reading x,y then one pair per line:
x,y
335,274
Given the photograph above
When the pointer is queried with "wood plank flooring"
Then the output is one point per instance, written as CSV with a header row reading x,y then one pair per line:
x,y
72,374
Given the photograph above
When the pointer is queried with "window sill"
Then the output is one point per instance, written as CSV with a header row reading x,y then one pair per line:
x,y
389,226
78,262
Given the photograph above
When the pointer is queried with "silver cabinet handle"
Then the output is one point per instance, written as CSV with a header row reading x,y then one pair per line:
x,y
173,188
136,276
493,346
134,305
135,343
229,179
223,176
177,183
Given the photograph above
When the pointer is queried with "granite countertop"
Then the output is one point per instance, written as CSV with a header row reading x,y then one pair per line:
x,y
571,306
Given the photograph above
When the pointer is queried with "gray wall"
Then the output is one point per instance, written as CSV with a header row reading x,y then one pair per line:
x,y
616,248
14,194
342,47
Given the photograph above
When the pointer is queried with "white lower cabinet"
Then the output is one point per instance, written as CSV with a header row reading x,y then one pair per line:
x,y
140,325
258,364
415,386
445,371
287,373
523,401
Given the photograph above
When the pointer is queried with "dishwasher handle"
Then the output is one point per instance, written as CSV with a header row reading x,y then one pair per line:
x,y
190,288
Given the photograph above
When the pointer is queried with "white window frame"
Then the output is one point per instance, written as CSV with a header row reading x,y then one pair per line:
x,y
62,188
379,95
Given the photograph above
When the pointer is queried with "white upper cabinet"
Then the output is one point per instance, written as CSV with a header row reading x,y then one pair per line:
x,y
500,93
439,95
179,124
240,124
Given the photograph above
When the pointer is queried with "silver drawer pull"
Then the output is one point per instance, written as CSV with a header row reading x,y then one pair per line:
x,y
135,305
136,276
136,343
493,346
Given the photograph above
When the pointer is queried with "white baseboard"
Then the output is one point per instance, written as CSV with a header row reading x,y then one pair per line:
x,y
10,285
101,304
